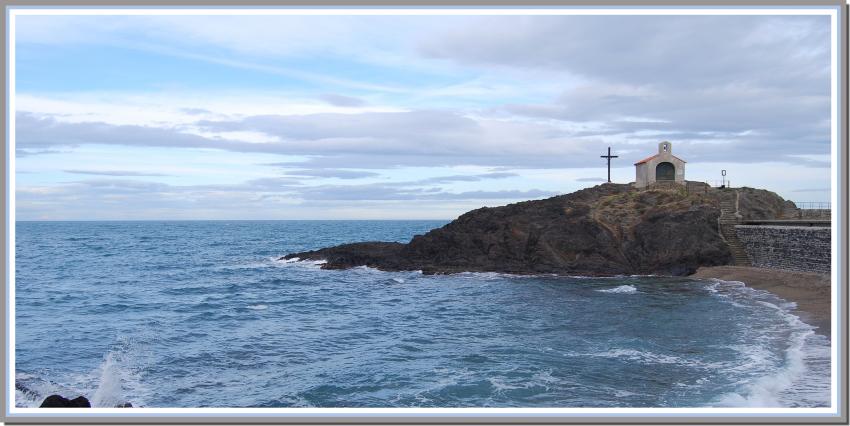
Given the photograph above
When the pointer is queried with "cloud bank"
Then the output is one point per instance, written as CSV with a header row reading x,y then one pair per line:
x,y
449,110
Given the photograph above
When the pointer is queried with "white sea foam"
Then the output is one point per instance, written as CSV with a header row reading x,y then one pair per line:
x,y
258,307
500,385
498,275
109,392
119,377
274,262
297,262
627,289
481,275
641,356
30,390
799,376
115,381
766,391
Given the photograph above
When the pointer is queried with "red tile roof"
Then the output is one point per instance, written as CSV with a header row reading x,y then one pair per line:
x,y
656,155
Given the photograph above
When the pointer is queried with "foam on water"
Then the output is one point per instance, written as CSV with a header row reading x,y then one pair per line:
x,y
258,307
641,356
116,381
109,392
626,289
120,375
274,262
312,264
792,382
30,390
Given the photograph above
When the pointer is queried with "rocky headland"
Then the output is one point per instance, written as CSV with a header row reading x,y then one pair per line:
x,y
609,229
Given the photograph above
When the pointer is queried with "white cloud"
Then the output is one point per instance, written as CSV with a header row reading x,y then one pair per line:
x,y
532,107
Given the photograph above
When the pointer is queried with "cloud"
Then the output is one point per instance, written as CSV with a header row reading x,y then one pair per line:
x,y
371,140
342,101
497,195
35,131
339,174
113,198
466,178
112,173
195,111
28,152
383,140
683,51
552,93
756,91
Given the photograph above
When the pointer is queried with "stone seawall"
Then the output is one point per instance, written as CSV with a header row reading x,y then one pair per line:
x,y
795,248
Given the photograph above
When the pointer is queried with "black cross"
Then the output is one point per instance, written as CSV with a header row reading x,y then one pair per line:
x,y
609,157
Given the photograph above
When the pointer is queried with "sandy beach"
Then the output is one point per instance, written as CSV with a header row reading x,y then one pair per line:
x,y
810,291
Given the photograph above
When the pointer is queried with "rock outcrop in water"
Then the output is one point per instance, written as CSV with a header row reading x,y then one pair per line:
x,y
609,229
58,401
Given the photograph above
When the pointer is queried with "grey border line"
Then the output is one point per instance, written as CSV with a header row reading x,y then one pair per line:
x,y
424,4
843,158
5,173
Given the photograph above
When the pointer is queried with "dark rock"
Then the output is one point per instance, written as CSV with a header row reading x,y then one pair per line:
x,y
610,229
124,405
56,401
347,255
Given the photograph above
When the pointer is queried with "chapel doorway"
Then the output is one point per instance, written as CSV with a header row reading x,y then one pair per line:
x,y
665,171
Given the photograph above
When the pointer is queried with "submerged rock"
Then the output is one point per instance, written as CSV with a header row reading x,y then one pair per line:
x,y
610,229
57,401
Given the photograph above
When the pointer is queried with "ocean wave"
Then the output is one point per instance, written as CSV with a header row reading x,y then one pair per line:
x,y
116,381
791,380
119,376
275,262
645,357
626,289
31,390
258,307
766,391
500,275
298,261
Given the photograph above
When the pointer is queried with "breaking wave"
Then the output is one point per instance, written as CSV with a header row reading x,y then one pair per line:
x,y
627,289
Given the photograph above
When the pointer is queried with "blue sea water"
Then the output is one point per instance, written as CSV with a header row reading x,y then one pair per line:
x,y
202,314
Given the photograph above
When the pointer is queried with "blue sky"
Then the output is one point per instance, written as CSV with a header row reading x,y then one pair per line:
x,y
403,117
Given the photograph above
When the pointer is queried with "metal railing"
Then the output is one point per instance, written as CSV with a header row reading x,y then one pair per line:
x,y
813,205
812,210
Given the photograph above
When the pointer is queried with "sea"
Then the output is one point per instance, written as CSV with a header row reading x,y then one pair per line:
x,y
203,314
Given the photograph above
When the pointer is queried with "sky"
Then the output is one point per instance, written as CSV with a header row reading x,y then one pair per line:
x,y
403,117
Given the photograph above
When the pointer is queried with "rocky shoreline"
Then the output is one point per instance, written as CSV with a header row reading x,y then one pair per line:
x,y
606,230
